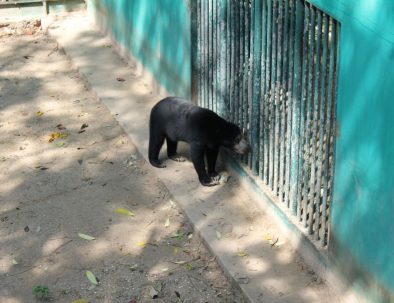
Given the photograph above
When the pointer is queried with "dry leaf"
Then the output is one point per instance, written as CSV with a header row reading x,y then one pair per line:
x,y
57,135
81,301
124,211
86,237
141,244
167,224
14,262
120,79
267,237
189,266
218,235
39,113
241,254
91,277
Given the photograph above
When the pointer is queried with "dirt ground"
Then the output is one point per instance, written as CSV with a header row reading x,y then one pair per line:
x,y
68,174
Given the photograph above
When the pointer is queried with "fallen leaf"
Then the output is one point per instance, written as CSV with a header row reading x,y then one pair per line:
x,y
82,129
41,167
57,135
120,79
241,254
81,301
141,244
91,277
124,211
14,262
60,144
133,267
218,235
167,224
86,237
267,237
38,229
189,266
176,250
39,113
60,127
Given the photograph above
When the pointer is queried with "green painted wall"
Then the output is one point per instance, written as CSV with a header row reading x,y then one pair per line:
x,y
362,214
157,32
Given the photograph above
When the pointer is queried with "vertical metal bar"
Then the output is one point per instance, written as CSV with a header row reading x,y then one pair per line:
x,y
236,60
247,72
264,30
195,51
277,94
232,63
315,118
330,131
209,55
296,89
267,93
250,86
290,99
255,110
309,107
322,121
222,57
228,59
214,65
241,61
285,108
301,208
272,94
205,34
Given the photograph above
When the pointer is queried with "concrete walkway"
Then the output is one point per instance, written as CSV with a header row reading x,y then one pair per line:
x,y
247,244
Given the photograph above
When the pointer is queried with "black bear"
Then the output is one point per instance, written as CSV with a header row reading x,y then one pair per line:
x,y
174,119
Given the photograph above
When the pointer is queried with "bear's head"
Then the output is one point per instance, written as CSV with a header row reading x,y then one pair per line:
x,y
232,138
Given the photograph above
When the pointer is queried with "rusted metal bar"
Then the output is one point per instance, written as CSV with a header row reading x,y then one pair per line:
x,y
296,112
263,111
322,121
285,102
315,118
277,94
289,88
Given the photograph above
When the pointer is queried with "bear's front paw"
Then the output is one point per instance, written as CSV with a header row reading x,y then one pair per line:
x,y
177,158
209,181
214,176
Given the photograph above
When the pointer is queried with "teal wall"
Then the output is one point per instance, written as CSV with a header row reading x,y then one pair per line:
x,y
362,214
157,32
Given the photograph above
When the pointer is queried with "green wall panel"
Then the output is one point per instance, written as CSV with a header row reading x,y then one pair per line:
x,y
363,207
157,32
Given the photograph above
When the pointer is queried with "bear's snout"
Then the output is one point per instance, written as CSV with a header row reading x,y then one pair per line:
x,y
242,147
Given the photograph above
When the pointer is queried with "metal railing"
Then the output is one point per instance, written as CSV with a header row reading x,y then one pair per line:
x,y
270,66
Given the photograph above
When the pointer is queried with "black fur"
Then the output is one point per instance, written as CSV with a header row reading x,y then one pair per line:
x,y
174,119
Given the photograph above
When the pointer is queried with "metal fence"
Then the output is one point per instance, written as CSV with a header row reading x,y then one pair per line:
x,y
270,66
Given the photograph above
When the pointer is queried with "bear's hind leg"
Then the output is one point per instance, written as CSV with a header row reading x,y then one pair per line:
x,y
171,151
155,143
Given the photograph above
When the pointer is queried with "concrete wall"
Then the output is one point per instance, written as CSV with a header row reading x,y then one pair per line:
x,y
157,33
362,214
15,12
